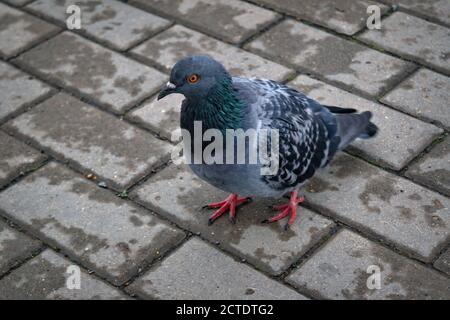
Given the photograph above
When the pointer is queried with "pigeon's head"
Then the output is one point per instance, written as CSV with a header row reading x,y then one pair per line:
x,y
194,77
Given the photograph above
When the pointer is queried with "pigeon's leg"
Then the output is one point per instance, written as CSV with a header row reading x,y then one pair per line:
x,y
230,203
287,209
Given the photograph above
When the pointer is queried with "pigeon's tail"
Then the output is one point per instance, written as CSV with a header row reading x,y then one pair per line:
x,y
355,125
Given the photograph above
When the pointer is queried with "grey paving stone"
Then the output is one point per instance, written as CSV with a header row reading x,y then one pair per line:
x,y
46,276
105,233
443,263
315,51
339,271
18,90
94,71
110,21
16,157
413,218
343,16
17,2
426,95
179,195
203,272
178,42
231,20
433,169
400,137
19,31
413,37
96,141
14,246
434,9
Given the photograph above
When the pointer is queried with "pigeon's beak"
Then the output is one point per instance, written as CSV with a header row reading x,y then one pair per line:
x,y
169,88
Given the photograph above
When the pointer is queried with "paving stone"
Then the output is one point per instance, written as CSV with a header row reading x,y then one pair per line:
x,y
343,16
14,246
433,169
92,139
207,274
94,71
110,21
432,9
178,42
443,263
343,61
107,234
16,157
179,195
46,276
426,95
162,117
413,37
18,90
17,3
231,20
400,137
412,218
19,31
339,271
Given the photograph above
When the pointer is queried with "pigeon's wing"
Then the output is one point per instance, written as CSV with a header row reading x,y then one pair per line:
x,y
307,130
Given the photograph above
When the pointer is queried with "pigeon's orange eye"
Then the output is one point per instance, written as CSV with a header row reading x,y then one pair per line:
x,y
193,78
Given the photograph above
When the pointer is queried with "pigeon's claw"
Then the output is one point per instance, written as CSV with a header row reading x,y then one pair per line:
x,y
230,203
287,209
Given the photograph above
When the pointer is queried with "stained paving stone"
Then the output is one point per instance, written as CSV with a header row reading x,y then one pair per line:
x,y
339,271
179,195
343,61
430,9
178,42
94,71
106,234
231,20
426,95
412,218
343,16
400,137
46,276
18,90
207,274
110,21
413,37
443,263
433,169
16,157
96,141
19,31
14,247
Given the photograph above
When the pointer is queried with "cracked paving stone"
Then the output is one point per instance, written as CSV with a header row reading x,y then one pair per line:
x,y
433,169
110,21
46,276
92,225
434,9
443,263
400,137
14,246
343,16
179,195
203,272
18,90
178,42
411,217
95,72
414,38
426,95
230,20
19,31
339,271
92,139
335,59
15,158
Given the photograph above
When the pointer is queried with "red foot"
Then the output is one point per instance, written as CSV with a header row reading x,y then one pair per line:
x,y
289,208
230,203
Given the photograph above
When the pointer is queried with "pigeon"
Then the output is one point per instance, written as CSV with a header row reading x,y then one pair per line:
x,y
309,133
